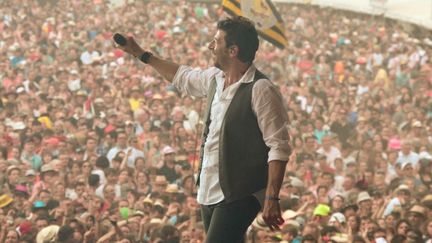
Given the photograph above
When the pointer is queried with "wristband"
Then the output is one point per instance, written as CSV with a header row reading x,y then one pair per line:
x,y
272,198
145,57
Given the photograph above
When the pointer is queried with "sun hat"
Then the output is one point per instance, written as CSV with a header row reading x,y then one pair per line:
x,y
5,200
48,234
172,188
363,196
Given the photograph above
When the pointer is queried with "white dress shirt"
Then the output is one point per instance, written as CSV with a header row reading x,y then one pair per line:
x,y
267,103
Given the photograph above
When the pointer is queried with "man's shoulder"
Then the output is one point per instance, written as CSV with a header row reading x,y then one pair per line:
x,y
115,148
264,83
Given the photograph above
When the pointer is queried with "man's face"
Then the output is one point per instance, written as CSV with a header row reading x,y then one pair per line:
x,y
11,237
13,176
415,218
91,144
29,146
408,171
40,224
45,197
326,142
406,148
327,180
185,237
219,49
122,140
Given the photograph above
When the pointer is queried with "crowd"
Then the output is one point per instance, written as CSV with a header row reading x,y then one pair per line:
x,y
97,147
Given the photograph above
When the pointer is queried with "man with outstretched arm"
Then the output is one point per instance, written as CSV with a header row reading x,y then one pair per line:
x,y
245,140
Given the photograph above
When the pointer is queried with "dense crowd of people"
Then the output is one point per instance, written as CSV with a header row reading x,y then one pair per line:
x,y
97,147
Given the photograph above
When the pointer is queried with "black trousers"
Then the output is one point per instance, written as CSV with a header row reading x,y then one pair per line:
x,y
228,222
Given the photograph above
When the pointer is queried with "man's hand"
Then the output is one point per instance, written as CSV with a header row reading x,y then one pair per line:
x,y
131,46
272,214
89,235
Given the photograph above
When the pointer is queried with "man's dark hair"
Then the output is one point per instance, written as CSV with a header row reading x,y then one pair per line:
x,y
241,32
398,238
102,162
42,217
309,238
93,180
65,233
110,171
79,183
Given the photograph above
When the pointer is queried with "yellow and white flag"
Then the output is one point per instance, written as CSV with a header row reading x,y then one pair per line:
x,y
263,13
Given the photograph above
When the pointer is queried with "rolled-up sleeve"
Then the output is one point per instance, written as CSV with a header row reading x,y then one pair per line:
x,y
268,105
194,81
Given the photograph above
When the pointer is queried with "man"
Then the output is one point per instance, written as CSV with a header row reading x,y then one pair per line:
x,y
329,150
90,148
416,216
122,145
364,202
408,173
407,155
402,198
245,128
29,157
342,127
168,168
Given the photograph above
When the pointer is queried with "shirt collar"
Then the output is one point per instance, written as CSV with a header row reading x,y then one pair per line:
x,y
247,77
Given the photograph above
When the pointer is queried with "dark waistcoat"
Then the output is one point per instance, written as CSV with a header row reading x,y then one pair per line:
x,y
243,155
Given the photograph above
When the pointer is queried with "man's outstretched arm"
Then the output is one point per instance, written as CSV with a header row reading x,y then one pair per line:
x,y
166,68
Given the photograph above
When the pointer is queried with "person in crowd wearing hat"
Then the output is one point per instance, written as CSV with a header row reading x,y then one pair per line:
x,y
338,220
48,178
168,165
235,184
13,173
416,216
408,173
321,214
364,202
402,197
20,195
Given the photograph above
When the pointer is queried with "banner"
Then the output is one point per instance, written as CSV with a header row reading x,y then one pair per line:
x,y
267,20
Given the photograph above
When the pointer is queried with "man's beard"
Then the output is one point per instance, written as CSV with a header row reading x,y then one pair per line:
x,y
216,64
